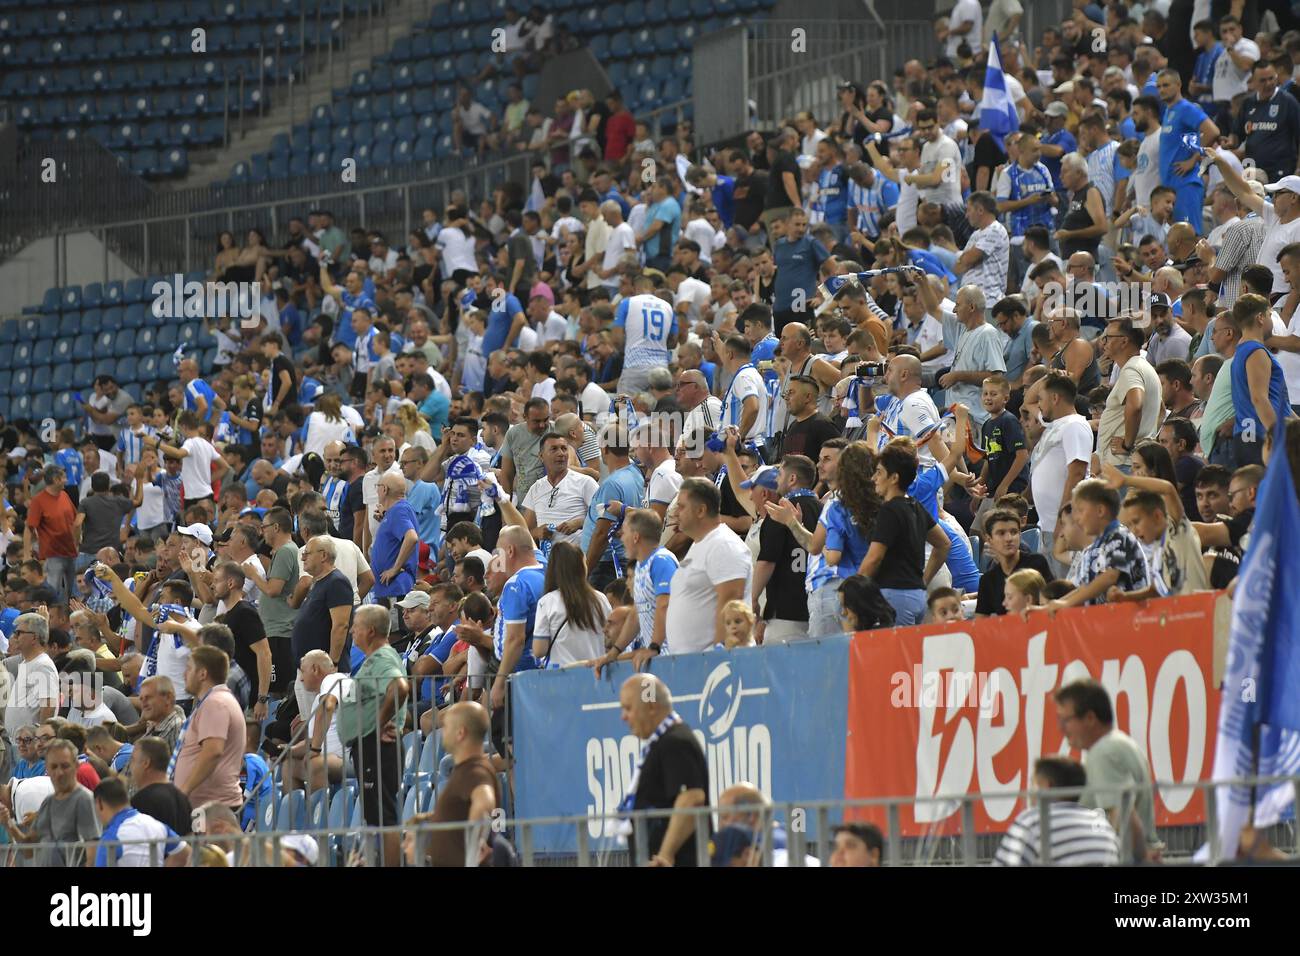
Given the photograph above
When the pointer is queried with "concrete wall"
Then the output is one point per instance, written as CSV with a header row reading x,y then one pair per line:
x,y
26,275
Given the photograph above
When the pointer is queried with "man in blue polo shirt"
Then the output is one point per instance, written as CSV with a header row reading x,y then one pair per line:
x,y
1179,163
512,633
625,485
505,316
722,189
798,257
397,540
132,838
1269,124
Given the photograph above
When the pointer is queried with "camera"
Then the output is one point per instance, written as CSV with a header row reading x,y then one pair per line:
x,y
868,374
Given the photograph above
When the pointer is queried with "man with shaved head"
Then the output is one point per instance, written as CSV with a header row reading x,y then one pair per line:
x,y
744,805
397,541
470,794
908,409
670,774
703,411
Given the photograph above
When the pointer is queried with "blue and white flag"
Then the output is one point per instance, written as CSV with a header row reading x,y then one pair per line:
x,y
997,110
1263,665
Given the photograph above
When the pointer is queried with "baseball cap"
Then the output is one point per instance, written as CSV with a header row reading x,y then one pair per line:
x,y
1057,109
414,599
303,845
1066,87
200,531
1289,184
1159,300
728,843
765,477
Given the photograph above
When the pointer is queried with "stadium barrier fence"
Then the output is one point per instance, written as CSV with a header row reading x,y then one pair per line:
x,y
788,827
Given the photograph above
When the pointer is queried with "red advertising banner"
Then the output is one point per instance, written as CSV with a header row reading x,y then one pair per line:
x,y
953,709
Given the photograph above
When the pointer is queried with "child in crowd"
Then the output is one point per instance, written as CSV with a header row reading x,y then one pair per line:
x,y
1115,556
1025,589
738,625
944,605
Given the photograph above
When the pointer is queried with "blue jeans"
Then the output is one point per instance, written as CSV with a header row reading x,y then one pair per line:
x,y
909,606
824,619
59,576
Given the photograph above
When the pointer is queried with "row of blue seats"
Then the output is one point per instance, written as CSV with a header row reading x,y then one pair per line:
x,y
617,16
134,44
128,77
89,348
73,298
151,135
19,401
155,163
26,20
127,113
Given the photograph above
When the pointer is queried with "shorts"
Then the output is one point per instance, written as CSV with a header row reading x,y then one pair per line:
x,y
379,768
1189,205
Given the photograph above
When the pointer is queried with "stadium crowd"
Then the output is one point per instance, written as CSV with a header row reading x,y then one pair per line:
x,y
874,369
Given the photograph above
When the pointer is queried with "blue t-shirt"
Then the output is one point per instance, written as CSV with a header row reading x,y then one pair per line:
x,y
932,264
500,315
436,409
7,618
724,201
960,561
670,214
833,194
69,459
1243,405
193,391
1064,139
796,268
844,535
707,369
126,826
1180,119
653,578
439,650
365,299
425,498
1203,72
626,485
388,544
518,605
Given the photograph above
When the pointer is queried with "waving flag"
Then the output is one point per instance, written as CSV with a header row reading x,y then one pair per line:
x,y
997,111
1260,710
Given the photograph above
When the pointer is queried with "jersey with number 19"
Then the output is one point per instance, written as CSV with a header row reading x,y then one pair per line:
x,y
647,322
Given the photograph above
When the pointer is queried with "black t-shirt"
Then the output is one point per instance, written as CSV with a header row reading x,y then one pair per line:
x,y
748,208
901,526
807,437
253,412
987,156
730,506
1186,470
1003,437
353,501
246,626
166,804
777,197
675,763
993,582
601,110
311,628
281,363
787,600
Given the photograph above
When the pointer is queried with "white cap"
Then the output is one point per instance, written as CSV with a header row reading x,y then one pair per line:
x,y
303,845
1289,184
200,531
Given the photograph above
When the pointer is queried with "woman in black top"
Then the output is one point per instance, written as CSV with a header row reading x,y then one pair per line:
x,y
1085,217
896,558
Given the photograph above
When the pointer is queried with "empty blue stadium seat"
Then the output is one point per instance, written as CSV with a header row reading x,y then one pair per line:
x,y
61,377
70,298
83,375
83,348
146,368
134,291
123,343
70,324
43,352
167,339
22,354
65,406
47,325
126,369
5,376
42,405
105,366
20,406
146,341
111,319
92,295
21,381
104,343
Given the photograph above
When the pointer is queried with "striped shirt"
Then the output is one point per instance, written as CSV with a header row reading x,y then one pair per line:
x,y
1025,183
872,202
1101,173
1240,250
131,444
1080,837
334,491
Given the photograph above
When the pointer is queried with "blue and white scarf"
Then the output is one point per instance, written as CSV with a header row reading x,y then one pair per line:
x,y
629,798
162,612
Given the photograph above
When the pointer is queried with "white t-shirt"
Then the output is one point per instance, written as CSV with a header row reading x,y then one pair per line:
x,y
350,562
1290,361
544,389
595,401
321,431
909,197
457,251
1276,237
1228,80
528,339
90,718
29,793
569,644
964,11
1066,440
932,155
747,382
621,240
909,416
1146,175
336,686
697,295
664,481
554,329
699,231
153,507
196,467
37,682
565,225
718,557
370,493
172,661
555,504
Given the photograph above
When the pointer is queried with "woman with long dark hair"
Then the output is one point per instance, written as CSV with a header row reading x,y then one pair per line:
x,y
1152,460
864,607
569,627
841,538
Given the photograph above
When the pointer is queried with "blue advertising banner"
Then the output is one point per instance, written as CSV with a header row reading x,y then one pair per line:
x,y
772,716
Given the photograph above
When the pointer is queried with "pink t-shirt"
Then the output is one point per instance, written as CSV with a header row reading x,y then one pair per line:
x,y
217,714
